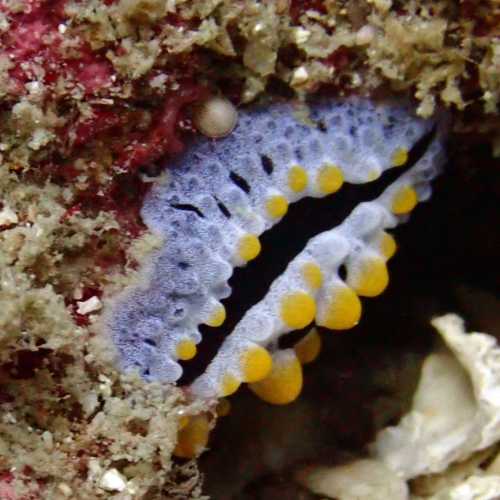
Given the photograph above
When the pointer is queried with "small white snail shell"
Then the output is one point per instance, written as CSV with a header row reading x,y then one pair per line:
x,y
215,117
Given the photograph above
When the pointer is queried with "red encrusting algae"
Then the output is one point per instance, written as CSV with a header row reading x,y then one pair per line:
x,y
161,138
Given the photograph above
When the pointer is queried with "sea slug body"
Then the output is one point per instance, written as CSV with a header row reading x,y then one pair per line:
x,y
219,197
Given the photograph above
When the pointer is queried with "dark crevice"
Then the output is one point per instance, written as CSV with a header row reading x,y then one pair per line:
x,y
289,340
188,208
305,219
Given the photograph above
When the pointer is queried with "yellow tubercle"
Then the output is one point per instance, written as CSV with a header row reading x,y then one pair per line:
x,y
330,179
218,316
404,200
297,179
223,407
399,157
249,247
370,278
373,175
312,275
342,311
388,245
276,206
284,383
192,438
186,349
309,347
230,384
183,421
256,363
297,310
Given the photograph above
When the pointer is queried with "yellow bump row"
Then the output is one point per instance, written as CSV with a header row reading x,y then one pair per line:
x,y
218,316
276,206
193,437
371,277
399,157
404,200
256,363
388,245
297,310
312,275
230,384
284,383
343,310
373,175
249,247
186,349
309,347
330,179
297,179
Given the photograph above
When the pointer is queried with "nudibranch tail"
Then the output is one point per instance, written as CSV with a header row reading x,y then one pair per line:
x,y
216,201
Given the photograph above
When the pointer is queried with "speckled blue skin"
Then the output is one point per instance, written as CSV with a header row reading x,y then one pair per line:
x,y
201,210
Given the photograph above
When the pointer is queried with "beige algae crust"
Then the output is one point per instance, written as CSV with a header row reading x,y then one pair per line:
x,y
71,425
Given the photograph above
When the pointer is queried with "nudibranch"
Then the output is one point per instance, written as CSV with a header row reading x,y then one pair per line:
x,y
218,197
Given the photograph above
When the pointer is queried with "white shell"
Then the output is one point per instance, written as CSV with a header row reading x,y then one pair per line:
x,y
455,413
473,488
456,408
363,479
215,117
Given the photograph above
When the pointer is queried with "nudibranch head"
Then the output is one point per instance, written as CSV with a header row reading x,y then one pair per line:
x,y
215,117
216,201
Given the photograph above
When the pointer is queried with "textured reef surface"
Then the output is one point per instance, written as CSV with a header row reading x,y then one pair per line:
x,y
93,94
217,200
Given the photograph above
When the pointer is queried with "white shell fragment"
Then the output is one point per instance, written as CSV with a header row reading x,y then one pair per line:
x,y
8,216
90,305
112,480
215,117
363,479
455,413
456,409
473,488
